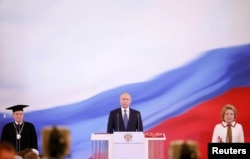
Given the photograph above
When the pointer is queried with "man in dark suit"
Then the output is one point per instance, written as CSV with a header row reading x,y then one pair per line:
x,y
124,118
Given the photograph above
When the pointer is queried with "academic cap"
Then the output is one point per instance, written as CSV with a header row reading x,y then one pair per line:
x,y
17,108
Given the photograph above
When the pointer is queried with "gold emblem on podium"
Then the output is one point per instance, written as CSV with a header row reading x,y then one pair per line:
x,y
128,137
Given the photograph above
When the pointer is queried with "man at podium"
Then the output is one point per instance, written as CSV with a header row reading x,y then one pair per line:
x,y
124,118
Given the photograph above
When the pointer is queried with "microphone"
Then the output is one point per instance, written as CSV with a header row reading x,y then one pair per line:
x,y
117,115
138,129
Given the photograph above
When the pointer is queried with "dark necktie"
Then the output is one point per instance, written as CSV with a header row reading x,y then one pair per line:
x,y
229,133
125,119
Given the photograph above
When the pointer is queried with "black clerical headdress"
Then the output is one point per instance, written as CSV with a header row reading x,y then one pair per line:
x,y
17,108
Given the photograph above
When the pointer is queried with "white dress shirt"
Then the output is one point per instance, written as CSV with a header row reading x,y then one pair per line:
x,y
18,123
220,132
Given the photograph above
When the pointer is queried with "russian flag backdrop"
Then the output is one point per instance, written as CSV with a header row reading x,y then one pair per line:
x,y
180,61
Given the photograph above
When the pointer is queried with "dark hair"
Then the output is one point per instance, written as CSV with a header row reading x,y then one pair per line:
x,y
7,146
57,144
31,155
23,152
187,152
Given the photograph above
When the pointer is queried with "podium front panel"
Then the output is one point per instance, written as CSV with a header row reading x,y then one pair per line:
x,y
128,137
128,151
128,145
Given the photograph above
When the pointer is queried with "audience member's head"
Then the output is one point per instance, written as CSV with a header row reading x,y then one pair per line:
x,y
187,152
181,149
28,154
7,151
31,155
23,152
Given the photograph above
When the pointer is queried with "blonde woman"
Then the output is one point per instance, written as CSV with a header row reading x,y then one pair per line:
x,y
228,131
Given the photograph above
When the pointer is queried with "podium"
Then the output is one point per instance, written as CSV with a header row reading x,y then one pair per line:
x,y
128,145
